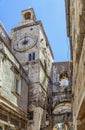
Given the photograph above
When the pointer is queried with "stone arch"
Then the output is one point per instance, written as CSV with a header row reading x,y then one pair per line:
x,y
62,108
64,74
62,116
64,78
59,126
27,15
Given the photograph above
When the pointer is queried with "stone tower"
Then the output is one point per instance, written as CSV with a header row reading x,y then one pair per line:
x,y
31,47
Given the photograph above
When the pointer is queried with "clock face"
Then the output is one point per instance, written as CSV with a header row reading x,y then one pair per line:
x,y
24,44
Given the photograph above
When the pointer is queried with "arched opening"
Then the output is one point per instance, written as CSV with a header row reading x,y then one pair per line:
x,y
60,126
62,116
64,79
62,108
27,15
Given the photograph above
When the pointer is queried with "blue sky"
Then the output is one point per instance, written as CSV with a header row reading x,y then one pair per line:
x,y
52,15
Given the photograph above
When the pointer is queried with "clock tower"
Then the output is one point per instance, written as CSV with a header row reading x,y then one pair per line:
x,y
31,47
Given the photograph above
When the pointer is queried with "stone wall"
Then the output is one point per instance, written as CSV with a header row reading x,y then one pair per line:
x,y
77,41
38,69
61,93
13,88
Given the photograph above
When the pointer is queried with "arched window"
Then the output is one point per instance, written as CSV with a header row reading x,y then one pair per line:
x,y
64,78
28,15
66,82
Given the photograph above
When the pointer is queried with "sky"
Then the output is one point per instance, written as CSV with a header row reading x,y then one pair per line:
x,y
53,17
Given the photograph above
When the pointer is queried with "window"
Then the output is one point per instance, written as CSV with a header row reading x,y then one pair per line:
x,y
67,82
1,128
17,85
64,78
64,82
47,117
59,125
48,100
28,15
31,56
30,115
47,120
45,64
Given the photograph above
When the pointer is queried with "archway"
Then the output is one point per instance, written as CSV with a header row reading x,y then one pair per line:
x,y
62,116
60,126
62,108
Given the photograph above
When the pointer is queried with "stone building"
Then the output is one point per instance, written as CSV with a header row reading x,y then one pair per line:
x,y
31,47
13,88
75,15
28,60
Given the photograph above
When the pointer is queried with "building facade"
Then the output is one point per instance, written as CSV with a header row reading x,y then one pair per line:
x,y
37,90
75,15
61,95
31,47
13,85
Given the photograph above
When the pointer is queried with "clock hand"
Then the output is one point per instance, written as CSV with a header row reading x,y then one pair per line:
x,y
25,42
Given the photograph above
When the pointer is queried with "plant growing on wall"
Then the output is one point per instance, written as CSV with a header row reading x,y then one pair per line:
x,y
47,73
5,57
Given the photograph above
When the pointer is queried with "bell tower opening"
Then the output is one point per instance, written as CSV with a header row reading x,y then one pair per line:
x,y
29,14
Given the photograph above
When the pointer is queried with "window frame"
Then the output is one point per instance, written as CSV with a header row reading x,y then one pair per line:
x,y
2,126
31,115
64,82
17,89
31,56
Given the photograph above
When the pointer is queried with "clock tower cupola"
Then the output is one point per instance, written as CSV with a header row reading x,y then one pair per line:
x,y
28,16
